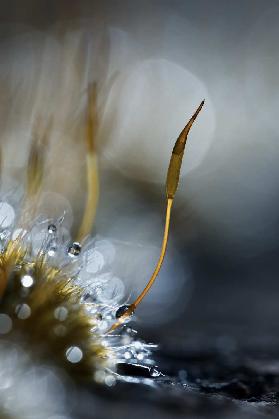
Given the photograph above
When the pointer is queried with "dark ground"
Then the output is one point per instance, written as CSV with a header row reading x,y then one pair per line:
x,y
220,361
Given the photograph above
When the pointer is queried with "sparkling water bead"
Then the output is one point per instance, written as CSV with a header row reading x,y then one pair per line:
x,y
74,354
122,311
74,249
52,229
27,281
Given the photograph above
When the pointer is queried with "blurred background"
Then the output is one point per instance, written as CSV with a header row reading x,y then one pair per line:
x,y
153,62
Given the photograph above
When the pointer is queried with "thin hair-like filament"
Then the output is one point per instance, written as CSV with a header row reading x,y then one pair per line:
x,y
92,168
35,170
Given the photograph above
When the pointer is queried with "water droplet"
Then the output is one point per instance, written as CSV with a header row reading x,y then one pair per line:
x,y
99,316
5,324
74,354
140,356
61,313
74,249
110,380
52,229
27,281
127,355
122,310
138,345
51,251
23,311
94,261
154,372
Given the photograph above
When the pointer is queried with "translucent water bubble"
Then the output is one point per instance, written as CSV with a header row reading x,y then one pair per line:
x,y
169,92
23,311
110,380
27,281
106,248
52,251
154,372
128,355
95,261
5,324
7,215
46,238
74,354
61,313
111,291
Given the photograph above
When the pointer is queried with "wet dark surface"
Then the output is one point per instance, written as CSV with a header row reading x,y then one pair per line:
x,y
219,360
239,373
199,381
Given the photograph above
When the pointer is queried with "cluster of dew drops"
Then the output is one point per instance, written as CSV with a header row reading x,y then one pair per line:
x,y
90,267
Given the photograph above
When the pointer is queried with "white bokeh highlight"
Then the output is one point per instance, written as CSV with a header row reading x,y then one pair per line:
x,y
155,100
7,215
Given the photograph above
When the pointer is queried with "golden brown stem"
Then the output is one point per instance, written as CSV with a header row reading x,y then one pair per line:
x,y
161,258
92,197
133,306
171,188
35,170
92,168
36,162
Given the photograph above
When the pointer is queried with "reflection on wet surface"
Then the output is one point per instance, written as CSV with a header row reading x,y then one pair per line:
x,y
203,381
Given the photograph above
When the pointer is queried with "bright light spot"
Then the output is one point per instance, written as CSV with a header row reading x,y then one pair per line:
x,y
61,313
27,281
74,354
100,376
110,380
95,261
23,311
